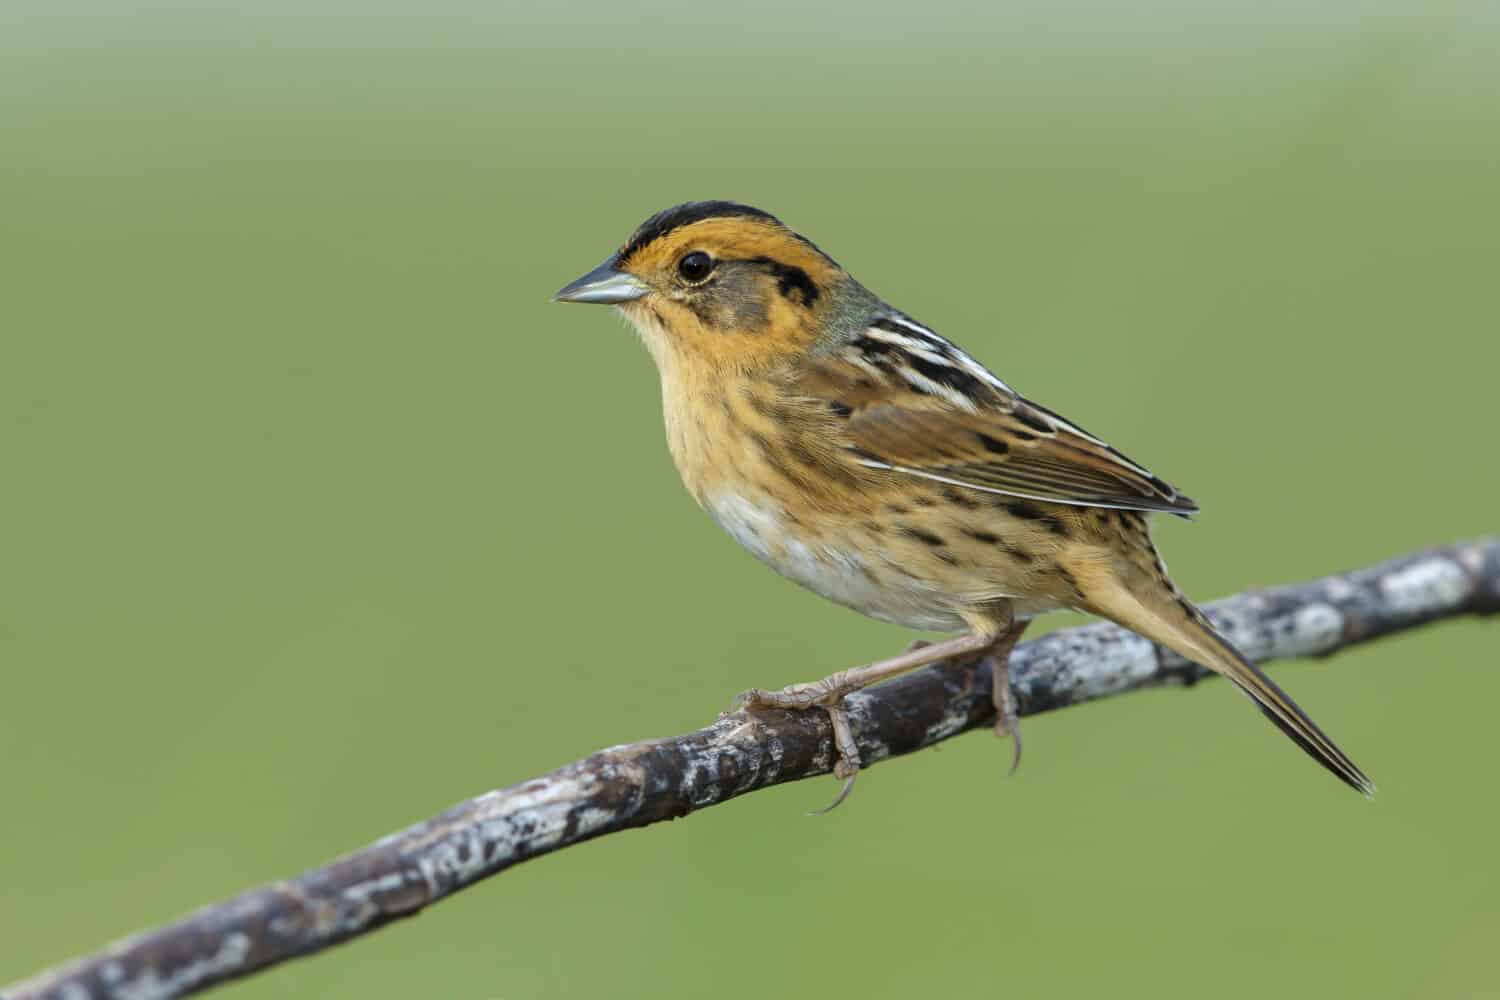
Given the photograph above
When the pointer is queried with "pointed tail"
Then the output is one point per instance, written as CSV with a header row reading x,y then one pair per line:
x,y
1164,616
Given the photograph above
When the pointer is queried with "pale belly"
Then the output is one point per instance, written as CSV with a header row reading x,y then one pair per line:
x,y
841,567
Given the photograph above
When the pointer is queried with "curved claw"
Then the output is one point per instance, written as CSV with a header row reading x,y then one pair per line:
x,y
1007,714
838,799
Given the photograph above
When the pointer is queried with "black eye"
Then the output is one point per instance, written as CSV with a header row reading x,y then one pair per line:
x,y
695,266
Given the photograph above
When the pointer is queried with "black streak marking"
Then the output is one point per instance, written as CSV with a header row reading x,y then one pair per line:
x,y
925,537
789,280
1031,512
918,334
954,378
810,459
1019,555
773,460
957,499
804,455
761,405
1034,420
992,444
1068,579
872,348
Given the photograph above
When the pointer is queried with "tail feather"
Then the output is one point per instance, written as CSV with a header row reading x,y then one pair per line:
x,y
1170,619
1294,722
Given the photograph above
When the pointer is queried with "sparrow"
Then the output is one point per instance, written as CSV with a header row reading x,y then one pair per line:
x,y
860,454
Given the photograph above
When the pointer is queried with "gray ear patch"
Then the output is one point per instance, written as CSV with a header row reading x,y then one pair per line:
x,y
735,299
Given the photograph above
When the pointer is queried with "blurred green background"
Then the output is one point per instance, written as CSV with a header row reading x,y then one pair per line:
x,y
318,517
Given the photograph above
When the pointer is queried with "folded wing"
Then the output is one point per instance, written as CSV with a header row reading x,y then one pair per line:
x,y
914,403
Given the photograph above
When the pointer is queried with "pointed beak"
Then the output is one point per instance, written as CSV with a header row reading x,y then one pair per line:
x,y
603,285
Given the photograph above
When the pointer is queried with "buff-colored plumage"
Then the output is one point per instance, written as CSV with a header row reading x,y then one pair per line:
x,y
862,455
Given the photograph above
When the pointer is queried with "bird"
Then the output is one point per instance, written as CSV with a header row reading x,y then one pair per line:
x,y
871,460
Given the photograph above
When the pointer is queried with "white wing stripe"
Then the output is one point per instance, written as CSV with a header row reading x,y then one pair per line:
x,y
951,353
1144,505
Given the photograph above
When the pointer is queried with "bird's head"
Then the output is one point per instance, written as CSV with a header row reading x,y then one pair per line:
x,y
723,284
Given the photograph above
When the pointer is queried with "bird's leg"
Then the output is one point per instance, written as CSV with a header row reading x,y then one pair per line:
x,y
847,767
829,693
831,689
1007,722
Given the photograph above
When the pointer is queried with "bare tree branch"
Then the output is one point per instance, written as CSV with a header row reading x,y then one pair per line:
x,y
640,783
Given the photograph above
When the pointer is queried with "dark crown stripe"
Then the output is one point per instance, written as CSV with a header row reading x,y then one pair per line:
x,y
686,214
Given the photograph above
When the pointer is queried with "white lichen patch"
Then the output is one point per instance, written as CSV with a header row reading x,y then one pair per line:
x,y
152,986
1425,587
955,717
1339,589
358,905
361,891
775,754
700,779
535,817
1123,661
592,819
1316,628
